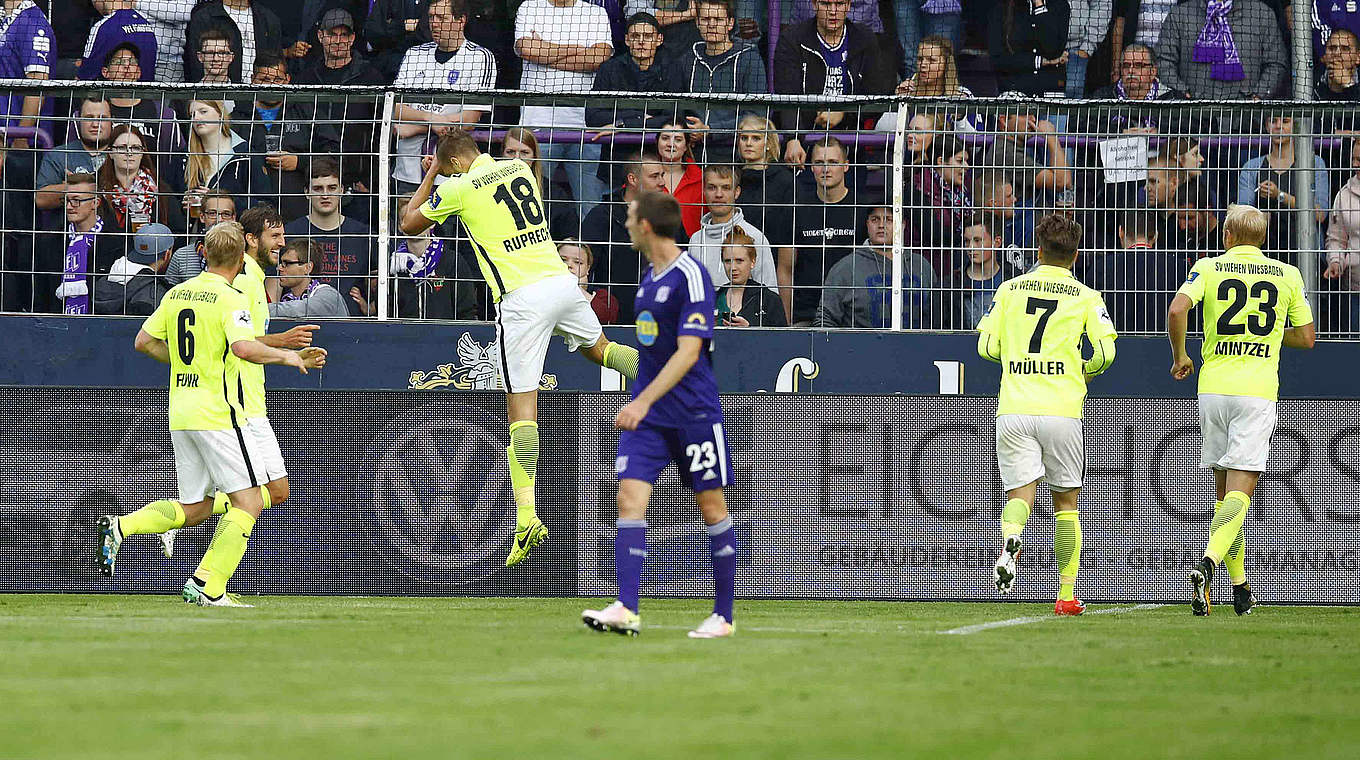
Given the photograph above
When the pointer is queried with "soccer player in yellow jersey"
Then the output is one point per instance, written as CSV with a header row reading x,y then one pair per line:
x,y
536,296
1252,306
1033,329
203,329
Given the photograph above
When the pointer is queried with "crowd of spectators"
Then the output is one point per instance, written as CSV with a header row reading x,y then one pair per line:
x,y
792,218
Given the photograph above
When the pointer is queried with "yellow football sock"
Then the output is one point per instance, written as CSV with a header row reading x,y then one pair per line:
x,y
1067,552
523,456
221,501
225,552
1013,517
1227,523
156,517
622,359
1236,558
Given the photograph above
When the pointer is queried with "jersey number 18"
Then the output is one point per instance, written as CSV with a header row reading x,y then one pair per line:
x,y
518,196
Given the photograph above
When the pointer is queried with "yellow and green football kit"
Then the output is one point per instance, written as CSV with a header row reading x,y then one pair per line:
x,y
251,283
502,209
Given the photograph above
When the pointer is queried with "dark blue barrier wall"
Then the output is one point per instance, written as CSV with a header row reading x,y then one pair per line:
x,y
95,351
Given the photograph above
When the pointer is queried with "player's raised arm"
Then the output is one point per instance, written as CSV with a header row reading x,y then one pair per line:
x,y
454,155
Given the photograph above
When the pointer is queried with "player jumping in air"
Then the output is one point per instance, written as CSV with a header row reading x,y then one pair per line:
x,y
674,416
263,228
1247,300
1033,329
536,296
204,330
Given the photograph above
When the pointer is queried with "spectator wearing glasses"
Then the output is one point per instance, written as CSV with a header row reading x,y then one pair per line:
x,y
1222,50
122,26
719,65
1136,81
83,244
83,155
129,185
216,60
347,244
1330,17
283,132
828,55
249,28
305,297
133,284
152,119
188,262
1339,81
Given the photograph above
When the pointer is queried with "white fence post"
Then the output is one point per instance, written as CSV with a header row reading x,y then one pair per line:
x,y
899,178
385,205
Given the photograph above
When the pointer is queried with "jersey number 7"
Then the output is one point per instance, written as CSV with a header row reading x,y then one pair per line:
x,y
1047,306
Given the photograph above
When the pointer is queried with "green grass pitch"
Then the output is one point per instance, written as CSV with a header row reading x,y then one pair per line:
x,y
148,677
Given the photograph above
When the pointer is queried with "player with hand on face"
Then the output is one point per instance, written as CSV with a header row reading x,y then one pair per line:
x,y
674,416
204,330
536,296
1033,329
1252,306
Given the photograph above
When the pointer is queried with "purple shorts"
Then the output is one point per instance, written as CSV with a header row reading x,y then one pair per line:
x,y
698,450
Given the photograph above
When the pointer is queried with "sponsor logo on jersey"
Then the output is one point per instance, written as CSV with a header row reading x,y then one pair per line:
x,y
696,319
647,328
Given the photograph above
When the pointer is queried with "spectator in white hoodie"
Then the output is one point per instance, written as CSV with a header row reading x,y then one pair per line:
x,y
722,188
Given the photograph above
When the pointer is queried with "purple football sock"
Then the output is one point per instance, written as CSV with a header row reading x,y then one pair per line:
x,y
630,549
722,543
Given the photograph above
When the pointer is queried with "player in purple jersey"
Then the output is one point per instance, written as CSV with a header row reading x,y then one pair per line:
x,y
27,50
674,417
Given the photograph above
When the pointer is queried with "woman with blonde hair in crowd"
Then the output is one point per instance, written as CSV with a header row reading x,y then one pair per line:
x,y
766,183
218,159
937,76
521,143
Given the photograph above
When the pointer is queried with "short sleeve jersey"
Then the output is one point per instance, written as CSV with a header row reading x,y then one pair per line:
x,y
251,389
1248,298
502,210
199,320
679,300
1038,318
124,27
27,46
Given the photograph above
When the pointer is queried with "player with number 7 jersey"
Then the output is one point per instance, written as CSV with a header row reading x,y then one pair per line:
x,y
501,207
1033,329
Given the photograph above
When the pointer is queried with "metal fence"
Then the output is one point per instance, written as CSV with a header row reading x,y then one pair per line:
x,y
882,213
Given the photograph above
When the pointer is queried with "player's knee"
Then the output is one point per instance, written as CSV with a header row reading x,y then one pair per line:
x,y
278,491
712,505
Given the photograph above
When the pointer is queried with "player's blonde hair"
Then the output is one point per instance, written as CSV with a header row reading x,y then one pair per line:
x,y
1247,224
224,244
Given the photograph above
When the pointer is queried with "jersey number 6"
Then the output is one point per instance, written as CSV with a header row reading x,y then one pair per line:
x,y
523,206
186,338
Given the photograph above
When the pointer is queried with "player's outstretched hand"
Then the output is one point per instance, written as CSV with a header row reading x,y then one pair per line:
x,y
631,415
294,359
1182,367
299,337
314,357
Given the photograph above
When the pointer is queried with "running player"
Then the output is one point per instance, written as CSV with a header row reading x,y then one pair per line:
x,y
536,296
1033,329
203,329
1247,300
674,417
263,228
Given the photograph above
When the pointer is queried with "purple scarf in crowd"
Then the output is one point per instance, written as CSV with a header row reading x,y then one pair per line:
x,y
74,291
311,286
1215,44
425,265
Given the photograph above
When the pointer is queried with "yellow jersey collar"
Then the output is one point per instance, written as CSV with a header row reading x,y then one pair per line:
x,y
216,276
1062,271
482,158
1245,250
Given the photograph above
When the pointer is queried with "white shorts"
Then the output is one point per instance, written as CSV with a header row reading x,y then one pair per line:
x,y
1032,446
265,442
214,460
527,317
1236,430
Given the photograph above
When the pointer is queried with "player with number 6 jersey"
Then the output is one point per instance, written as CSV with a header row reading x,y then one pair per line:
x,y
674,416
1252,306
1033,329
500,206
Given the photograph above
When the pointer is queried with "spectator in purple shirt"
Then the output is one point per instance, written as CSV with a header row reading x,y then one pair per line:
x,y
120,26
26,52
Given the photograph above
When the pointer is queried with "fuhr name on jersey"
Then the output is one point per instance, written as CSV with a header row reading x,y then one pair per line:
x,y
1237,267
1048,286
1242,348
532,237
193,295
1036,367
186,380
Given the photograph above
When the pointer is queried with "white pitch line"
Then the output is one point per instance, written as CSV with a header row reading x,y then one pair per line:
x,y
969,629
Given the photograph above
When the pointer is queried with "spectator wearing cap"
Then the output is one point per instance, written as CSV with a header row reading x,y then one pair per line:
x,y
1028,46
249,26
122,27
832,56
133,284
305,297
1221,50
170,23
350,133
